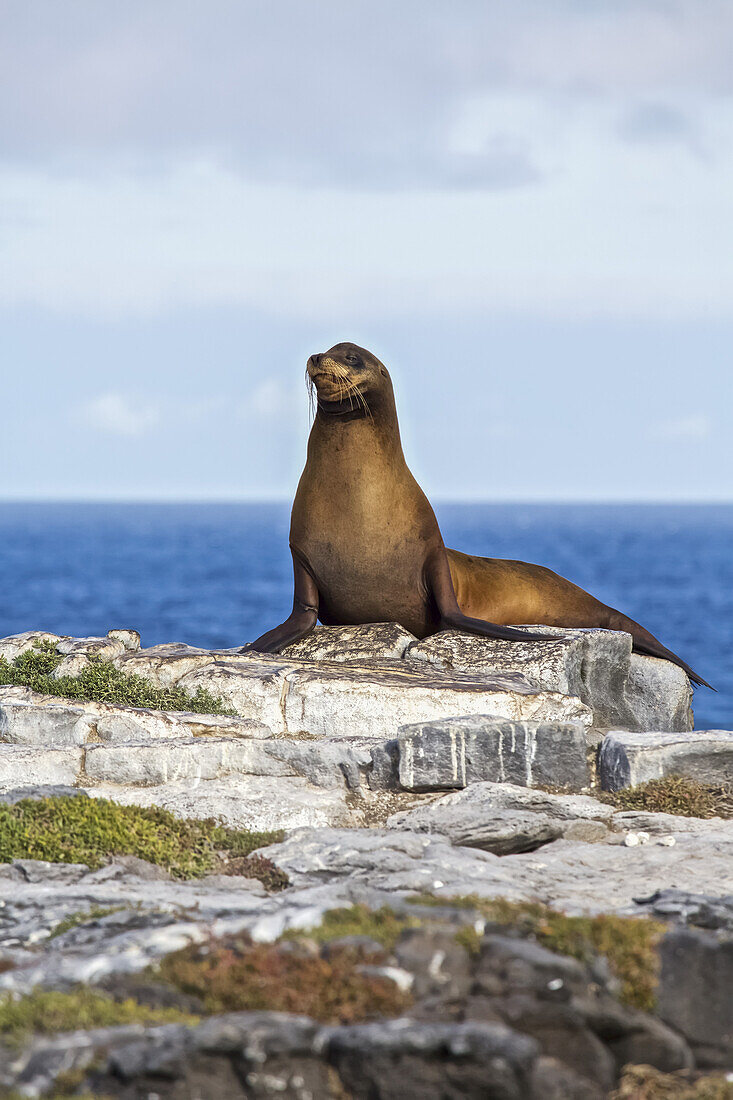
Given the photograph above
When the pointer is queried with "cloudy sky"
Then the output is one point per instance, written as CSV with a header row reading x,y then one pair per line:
x,y
525,210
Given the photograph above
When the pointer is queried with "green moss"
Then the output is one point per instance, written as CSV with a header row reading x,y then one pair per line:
x,y
628,943
74,920
46,1012
241,976
647,1083
101,682
675,794
89,830
383,925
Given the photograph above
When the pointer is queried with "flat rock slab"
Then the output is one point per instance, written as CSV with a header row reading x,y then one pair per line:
x,y
28,718
565,874
259,803
504,818
622,689
458,751
367,642
626,759
331,699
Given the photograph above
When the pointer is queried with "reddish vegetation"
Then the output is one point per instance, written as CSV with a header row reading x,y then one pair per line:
x,y
242,976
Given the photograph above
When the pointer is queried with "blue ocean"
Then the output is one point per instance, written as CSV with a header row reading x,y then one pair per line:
x,y
217,575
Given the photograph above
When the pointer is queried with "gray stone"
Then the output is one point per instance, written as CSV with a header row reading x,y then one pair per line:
x,y
504,818
367,642
164,665
658,695
503,832
59,790
400,1058
28,718
700,910
571,875
151,763
622,689
459,751
626,759
21,766
244,802
694,992
329,699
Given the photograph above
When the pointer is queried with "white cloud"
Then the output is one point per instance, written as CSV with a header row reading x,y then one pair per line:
x,y
696,426
116,414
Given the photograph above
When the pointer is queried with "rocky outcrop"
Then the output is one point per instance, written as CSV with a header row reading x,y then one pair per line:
x,y
349,742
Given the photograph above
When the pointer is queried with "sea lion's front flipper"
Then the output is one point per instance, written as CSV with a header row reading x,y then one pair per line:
x,y
440,584
301,620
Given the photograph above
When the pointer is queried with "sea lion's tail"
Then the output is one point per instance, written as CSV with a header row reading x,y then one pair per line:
x,y
649,646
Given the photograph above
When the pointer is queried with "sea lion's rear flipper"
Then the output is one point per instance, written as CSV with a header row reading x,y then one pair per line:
x,y
302,618
440,584
649,646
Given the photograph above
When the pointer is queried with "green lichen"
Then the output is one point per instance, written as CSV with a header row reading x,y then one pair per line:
x,y
101,682
629,944
47,1012
237,975
90,830
675,794
82,916
383,925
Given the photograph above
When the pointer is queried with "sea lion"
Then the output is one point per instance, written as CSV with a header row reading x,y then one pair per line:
x,y
367,548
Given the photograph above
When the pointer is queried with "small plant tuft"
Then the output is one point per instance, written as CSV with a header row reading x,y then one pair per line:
x,y
74,829
45,1012
382,925
647,1083
82,916
675,794
101,682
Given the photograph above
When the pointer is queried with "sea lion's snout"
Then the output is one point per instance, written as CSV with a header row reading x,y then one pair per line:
x,y
313,364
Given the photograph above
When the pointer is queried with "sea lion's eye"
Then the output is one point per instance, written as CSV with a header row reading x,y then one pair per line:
x,y
351,359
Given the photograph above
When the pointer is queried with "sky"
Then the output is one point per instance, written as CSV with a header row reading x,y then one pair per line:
x,y
524,210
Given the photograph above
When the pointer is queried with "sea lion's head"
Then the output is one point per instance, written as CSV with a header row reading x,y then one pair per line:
x,y
348,379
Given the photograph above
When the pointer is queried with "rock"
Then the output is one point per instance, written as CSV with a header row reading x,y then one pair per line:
x,y
399,1058
80,652
16,644
149,764
260,803
59,790
568,875
502,832
21,766
695,992
504,818
368,642
458,751
626,759
28,718
622,689
658,695
701,910
164,665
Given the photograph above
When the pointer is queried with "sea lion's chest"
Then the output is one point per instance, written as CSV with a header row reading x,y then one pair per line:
x,y
366,549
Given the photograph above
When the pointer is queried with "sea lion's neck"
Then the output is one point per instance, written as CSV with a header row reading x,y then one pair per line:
x,y
374,427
